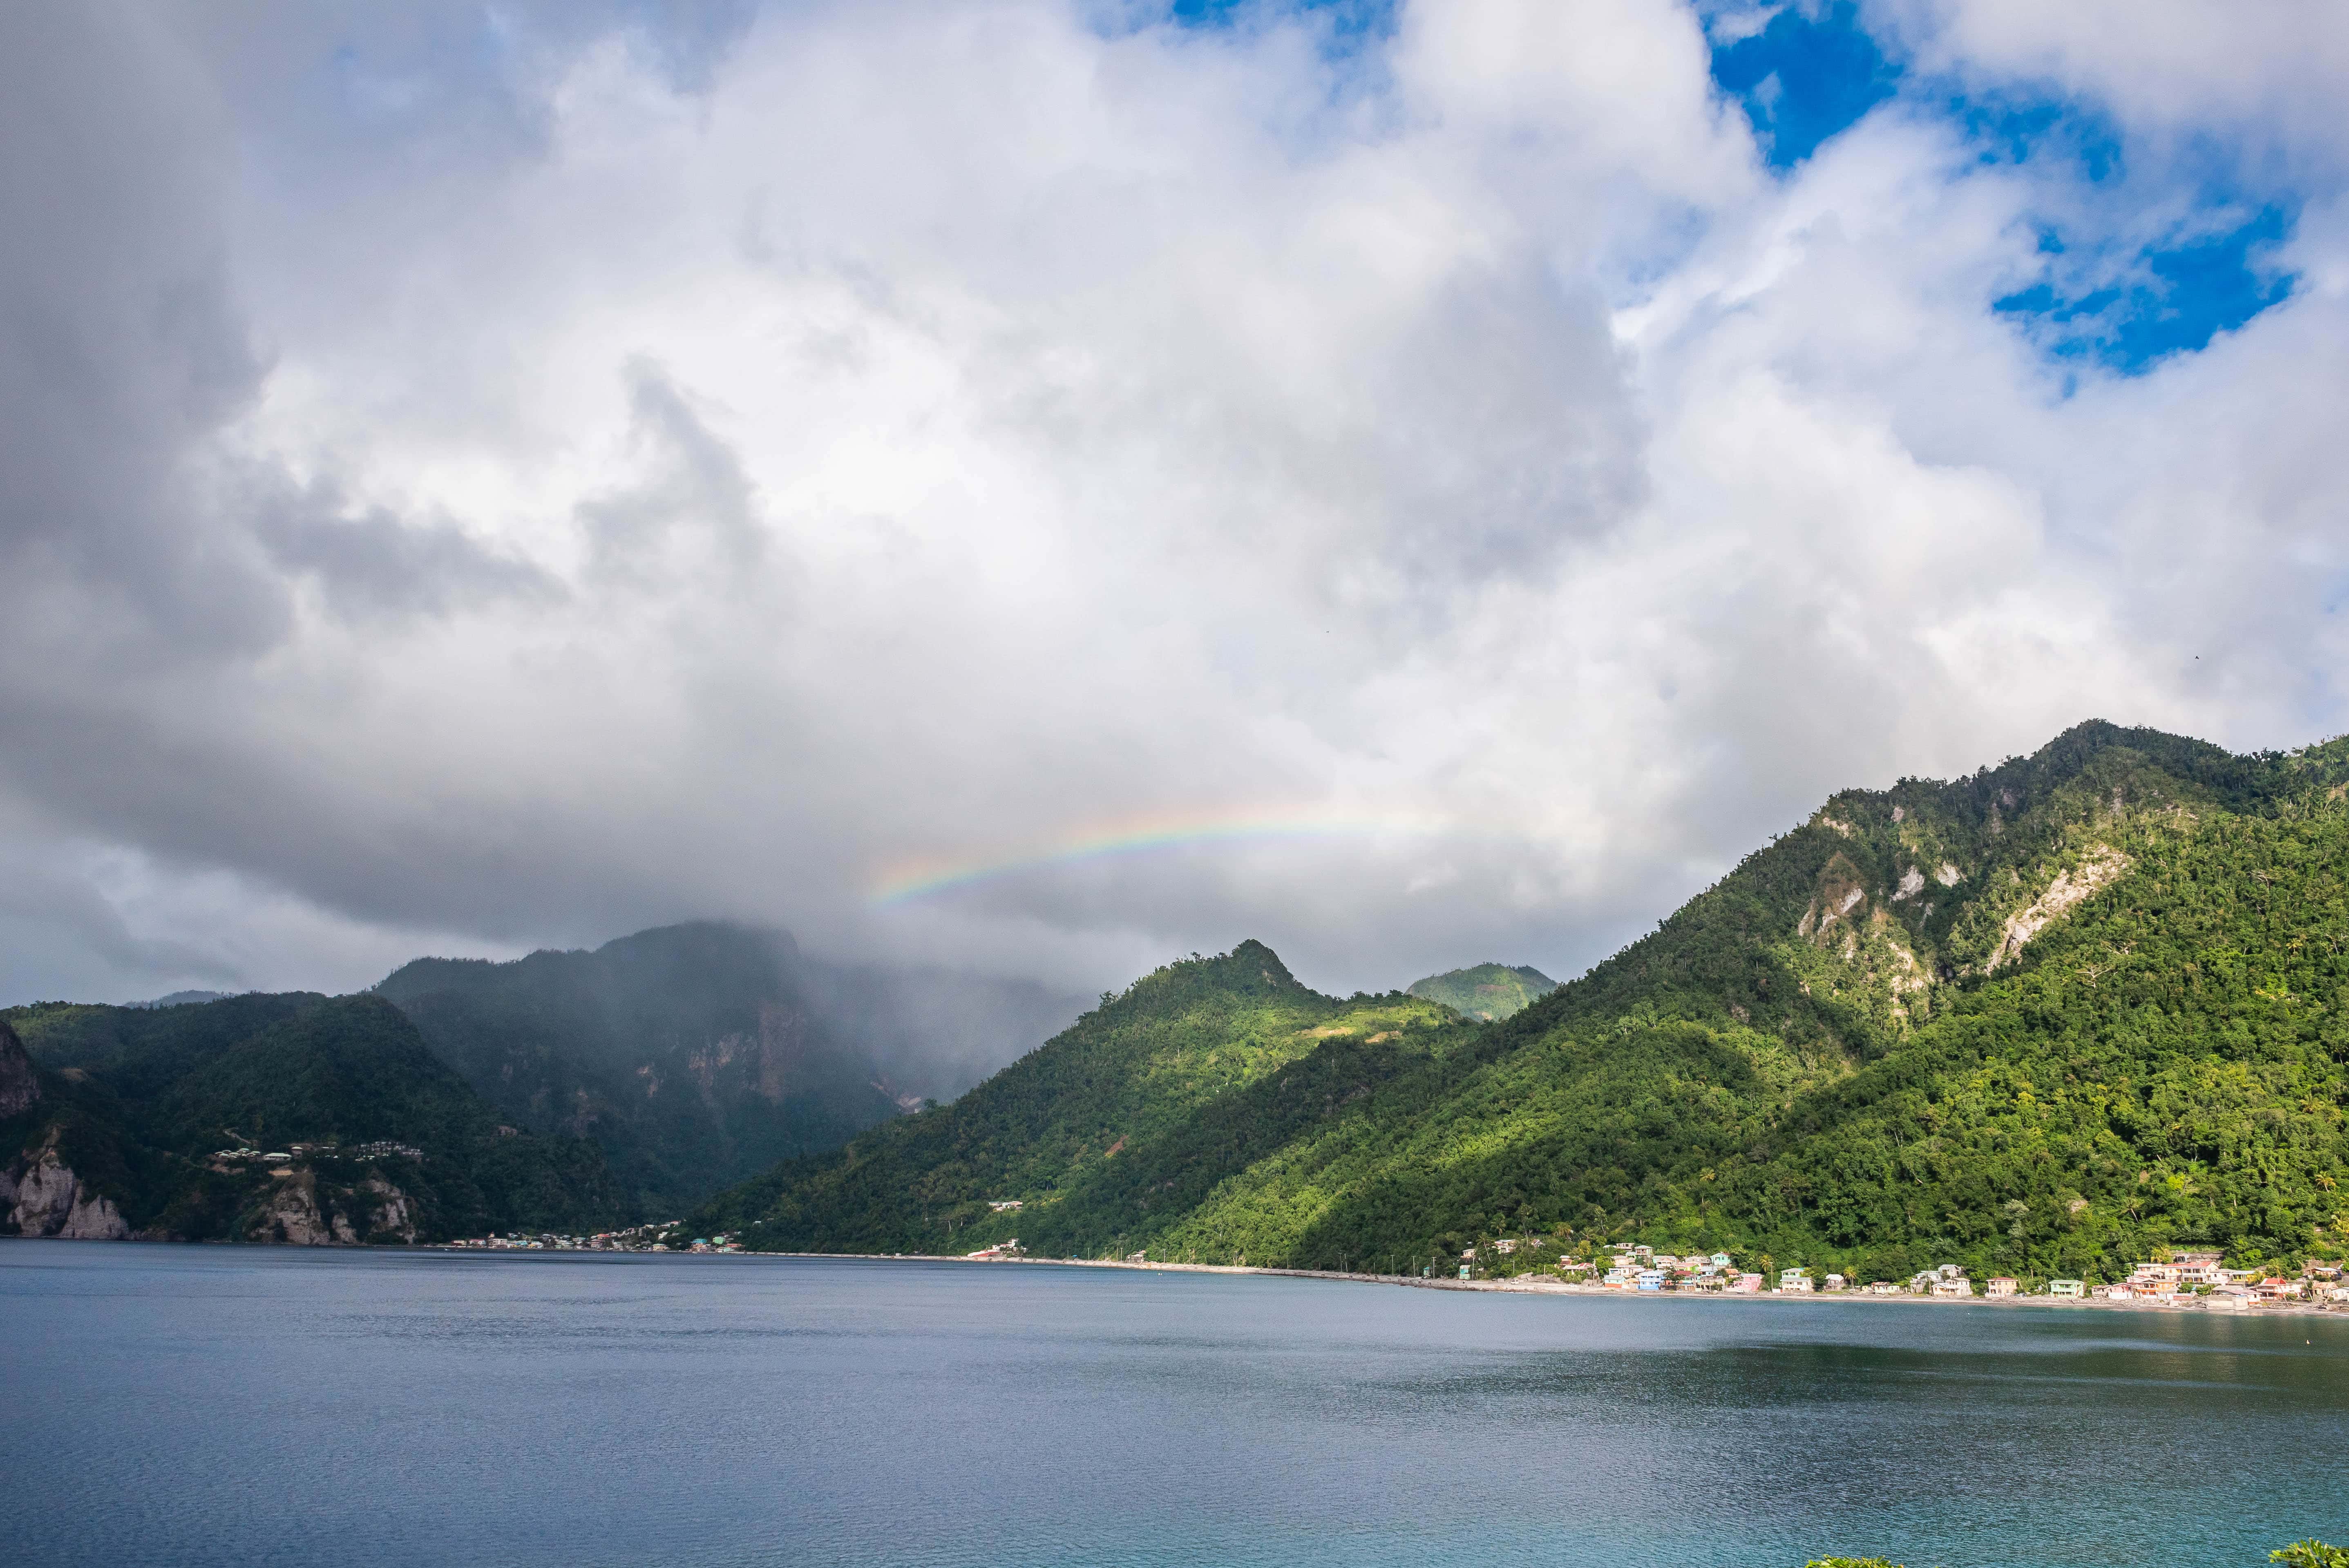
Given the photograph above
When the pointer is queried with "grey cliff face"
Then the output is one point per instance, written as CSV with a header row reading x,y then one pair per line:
x,y
20,1086
46,1199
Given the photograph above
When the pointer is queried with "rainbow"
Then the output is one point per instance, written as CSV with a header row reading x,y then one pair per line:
x,y
1152,833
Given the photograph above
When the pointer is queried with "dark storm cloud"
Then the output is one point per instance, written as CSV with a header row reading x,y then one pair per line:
x,y
121,348
367,562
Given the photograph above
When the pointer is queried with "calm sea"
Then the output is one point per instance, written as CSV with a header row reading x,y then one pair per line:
x,y
184,1405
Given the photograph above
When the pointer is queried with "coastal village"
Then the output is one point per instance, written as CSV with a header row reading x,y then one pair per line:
x,y
2180,1278
2176,1279
662,1238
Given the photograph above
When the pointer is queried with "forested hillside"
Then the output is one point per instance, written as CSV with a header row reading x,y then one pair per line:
x,y
157,1122
699,1054
1485,992
2040,1021
1109,1130
691,1053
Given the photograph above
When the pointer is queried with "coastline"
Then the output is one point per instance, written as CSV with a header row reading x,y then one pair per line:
x,y
1523,1285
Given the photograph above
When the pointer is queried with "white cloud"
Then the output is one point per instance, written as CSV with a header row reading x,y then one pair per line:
x,y
945,436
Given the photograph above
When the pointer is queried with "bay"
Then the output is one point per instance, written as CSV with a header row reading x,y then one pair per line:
x,y
202,1405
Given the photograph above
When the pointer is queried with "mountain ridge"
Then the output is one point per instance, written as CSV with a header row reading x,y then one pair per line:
x,y
1805,1061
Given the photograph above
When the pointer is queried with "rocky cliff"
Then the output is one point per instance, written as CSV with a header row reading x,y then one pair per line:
x,y
40,1195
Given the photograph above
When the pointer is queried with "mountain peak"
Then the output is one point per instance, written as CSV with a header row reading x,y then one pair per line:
x,y
1485,991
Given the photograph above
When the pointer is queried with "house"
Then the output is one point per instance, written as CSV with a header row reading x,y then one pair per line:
x,y
2153,1274
1922,1283
2067,1289
1883,1287
1747,1284
1795,1282
1718,1260
1836,1281
1504,1246
2000,1285
1961,1285
1650,1279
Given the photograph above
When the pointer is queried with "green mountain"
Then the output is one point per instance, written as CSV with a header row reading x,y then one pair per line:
x,y
693,1055
1486,992
123,1121
2043,1020
1110,1130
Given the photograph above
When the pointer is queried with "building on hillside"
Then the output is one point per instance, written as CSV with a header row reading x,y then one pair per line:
x,y
1745,1285
1718,1260
1650,1279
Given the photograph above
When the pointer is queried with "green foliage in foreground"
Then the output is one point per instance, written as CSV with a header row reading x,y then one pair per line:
x,y
2298,1554
1487,991
2044,1021
2310,1554
136,1100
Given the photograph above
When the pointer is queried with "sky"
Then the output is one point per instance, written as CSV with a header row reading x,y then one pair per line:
x,y
1049,486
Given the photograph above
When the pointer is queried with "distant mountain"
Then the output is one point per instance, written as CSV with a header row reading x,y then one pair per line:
x,y
699,1054
2041,1020
126,1121
1486,992
179,999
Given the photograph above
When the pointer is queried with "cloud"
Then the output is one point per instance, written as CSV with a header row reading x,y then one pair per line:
x,y
481,480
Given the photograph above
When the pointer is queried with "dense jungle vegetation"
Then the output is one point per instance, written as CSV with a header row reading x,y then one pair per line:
x,y
136,1101
2044,1021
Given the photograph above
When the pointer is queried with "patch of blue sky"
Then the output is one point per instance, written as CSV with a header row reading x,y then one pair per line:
x,y
1802,73
2128,308
1348,24
2135,272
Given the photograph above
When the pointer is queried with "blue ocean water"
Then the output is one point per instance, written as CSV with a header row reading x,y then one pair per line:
x,y
233,1406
